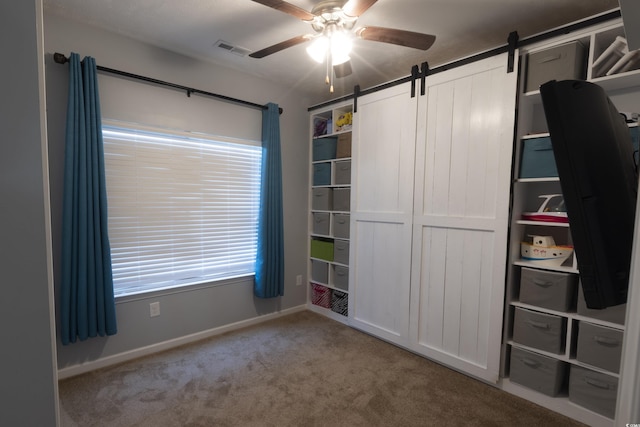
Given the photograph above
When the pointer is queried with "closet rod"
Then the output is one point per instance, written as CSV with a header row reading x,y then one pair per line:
x,y
61,59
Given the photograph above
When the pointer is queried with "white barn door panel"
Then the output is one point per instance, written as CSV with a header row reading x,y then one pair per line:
x,y
381,213
460,223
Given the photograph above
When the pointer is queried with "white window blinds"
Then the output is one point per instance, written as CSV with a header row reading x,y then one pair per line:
x,y
182,210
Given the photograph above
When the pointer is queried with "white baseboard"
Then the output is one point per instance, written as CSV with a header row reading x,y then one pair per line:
x,y
82,368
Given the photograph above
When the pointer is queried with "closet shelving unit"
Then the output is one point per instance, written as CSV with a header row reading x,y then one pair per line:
x,y
624,90
330,182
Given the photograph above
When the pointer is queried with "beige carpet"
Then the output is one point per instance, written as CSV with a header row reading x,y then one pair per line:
x,y
299,370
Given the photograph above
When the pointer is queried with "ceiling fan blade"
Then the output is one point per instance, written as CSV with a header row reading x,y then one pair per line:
x,y
279,46
289,8
357,7
342,70
399,37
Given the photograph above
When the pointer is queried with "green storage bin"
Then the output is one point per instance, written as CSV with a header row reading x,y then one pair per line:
x,y
322,249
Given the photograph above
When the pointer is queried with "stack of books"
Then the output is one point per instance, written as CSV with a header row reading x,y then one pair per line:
x,y
616,59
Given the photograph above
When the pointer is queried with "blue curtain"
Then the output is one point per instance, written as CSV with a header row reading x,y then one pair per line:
x,y
269,277
87,304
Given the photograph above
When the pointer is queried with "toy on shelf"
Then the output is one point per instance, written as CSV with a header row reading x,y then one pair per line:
x,y
343,122
552,209
544,251
319,126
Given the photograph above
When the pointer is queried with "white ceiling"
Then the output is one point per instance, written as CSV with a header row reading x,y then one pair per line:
x,y
192,27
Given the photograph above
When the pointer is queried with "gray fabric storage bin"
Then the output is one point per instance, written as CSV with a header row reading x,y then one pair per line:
x,y
615,314
321,223
541,373
341,199
319,271
343,148
548,289
593,390
564,62
322,174
599,346
341,251
342,173
341,277
322,199
341,225
539,330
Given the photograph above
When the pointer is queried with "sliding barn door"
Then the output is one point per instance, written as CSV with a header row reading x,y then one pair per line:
x,y
463,172
381,213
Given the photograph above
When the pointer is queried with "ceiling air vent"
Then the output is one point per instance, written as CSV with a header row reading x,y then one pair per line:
x,y
236,50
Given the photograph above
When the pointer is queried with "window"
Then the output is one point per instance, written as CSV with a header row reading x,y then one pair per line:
x,y
182,209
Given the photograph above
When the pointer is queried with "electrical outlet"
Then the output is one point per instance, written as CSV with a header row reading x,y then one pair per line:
x,y
154,309
299,280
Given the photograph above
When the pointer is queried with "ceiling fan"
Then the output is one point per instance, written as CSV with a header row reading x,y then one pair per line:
x,y
333,22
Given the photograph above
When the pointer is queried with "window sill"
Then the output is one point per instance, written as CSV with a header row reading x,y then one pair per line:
x,y
182,287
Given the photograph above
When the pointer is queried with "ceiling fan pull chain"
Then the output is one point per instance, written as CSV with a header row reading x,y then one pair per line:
x,y
330,72
326,79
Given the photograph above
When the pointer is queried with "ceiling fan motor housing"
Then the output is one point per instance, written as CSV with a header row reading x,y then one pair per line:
x,y
329,14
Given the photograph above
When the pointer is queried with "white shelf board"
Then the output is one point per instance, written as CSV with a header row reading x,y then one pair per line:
x,y
543,223
561,269
544,179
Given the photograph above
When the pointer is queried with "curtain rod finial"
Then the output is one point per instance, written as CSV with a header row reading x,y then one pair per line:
x,y
60,58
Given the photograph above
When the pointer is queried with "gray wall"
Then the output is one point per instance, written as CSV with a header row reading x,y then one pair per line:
x,y
28,387
192,311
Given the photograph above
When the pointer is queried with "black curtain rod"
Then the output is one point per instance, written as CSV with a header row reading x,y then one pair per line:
x,y
483,55
61,59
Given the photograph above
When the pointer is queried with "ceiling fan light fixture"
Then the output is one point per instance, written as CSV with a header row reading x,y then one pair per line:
x,y
338,45
317,50
333,22
341,44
